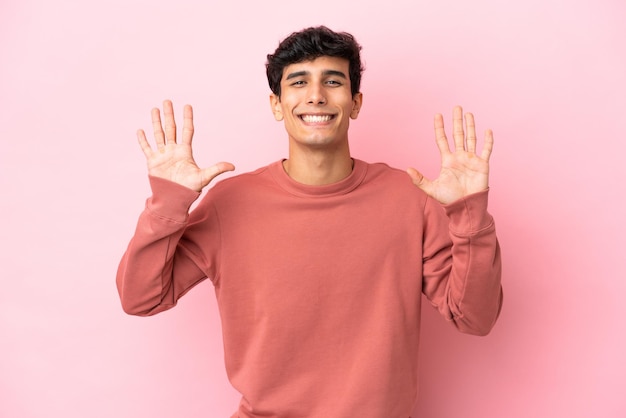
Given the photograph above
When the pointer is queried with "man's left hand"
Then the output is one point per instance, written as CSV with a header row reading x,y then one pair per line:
x,y
463,171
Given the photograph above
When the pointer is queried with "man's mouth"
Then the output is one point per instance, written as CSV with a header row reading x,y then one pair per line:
x,y
316,118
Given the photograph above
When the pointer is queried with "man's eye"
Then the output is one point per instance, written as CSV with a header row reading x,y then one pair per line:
x,y
333,83
298,83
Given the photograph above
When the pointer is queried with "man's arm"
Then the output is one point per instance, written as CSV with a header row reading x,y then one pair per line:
x,y
463,281
462,263
159,265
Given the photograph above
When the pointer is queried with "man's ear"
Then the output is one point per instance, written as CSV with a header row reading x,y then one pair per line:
x,y
276,107
357,102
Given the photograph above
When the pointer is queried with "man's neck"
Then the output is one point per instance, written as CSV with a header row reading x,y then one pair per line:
x,y
318,168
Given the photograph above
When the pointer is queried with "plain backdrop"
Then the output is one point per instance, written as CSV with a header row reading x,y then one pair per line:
x,y
78,78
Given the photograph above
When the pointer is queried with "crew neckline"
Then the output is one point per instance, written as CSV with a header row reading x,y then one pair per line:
x,y
344,186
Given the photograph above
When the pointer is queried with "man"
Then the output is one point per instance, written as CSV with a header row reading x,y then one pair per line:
x,y
318,260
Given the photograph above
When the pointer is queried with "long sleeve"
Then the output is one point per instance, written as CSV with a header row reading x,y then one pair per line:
x,y
158,267
463,281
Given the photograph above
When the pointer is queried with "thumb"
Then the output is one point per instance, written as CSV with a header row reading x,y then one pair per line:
x,y
209,173
419,180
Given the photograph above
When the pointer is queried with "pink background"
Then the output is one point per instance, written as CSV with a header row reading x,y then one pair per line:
x,y
77,78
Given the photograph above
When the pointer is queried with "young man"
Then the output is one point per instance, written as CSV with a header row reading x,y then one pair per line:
x,y
318,260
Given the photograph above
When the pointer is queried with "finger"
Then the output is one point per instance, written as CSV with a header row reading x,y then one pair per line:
x,y
471,132
209,173
457,128
170,124
419,180
143,143
440,135
187,125
487,146
157,128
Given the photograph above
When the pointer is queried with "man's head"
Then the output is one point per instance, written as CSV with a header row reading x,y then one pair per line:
x,y
312,43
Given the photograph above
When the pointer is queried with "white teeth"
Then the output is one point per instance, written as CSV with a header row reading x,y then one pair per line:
x,y
316,118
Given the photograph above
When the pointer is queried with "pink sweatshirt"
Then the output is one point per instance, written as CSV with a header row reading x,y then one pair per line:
x,y
319,287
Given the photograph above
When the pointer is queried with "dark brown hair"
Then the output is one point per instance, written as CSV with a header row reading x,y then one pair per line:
x,y
312,43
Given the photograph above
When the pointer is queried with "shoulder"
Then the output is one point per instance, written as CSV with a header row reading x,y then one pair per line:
x,y
391,184
242,181
242,189
392,177
385,170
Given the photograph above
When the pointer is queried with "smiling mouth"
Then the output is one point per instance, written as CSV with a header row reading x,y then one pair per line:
x,y
316,118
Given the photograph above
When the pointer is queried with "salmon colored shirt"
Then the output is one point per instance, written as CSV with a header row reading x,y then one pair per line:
x,y
318,287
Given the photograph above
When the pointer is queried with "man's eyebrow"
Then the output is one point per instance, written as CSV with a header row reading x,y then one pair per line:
x,y
325,72
335,72
296,74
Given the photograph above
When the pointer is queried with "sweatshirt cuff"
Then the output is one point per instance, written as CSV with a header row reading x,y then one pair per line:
x,y
170,200
469,214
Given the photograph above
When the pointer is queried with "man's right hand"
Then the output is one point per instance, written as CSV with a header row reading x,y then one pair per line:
x,y
173,160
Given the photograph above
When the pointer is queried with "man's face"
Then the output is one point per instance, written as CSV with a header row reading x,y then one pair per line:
x,y
316,103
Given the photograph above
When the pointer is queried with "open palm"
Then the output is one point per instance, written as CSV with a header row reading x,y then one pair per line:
x,y
463,171
173,160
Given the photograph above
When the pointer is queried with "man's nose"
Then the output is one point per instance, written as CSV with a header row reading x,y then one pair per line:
x,y
316,94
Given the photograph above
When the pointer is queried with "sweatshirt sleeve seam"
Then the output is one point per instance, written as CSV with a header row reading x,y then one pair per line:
x,y
218,260
471,231
167,218
459,314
